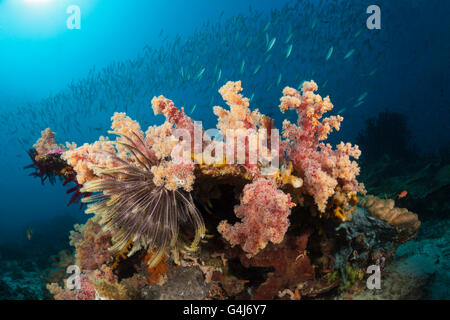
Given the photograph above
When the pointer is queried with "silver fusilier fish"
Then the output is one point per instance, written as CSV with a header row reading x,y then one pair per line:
x,y
330,52
289,50
349,54
271,44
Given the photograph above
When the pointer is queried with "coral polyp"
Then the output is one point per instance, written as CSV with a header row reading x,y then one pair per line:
x,y
133,208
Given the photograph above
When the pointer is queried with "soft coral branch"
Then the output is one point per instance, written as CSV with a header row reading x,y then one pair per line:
x,y
323,168
264,211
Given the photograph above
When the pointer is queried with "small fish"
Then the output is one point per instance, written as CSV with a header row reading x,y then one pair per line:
x,y
242,66
279,79
358,104
271,44
361,97
267,58
199,75
342,110
358,32
373,72
402,194
219,75
251,97
258,67
330,52
288,38
193,108
349,54
29,233
267,26
289,50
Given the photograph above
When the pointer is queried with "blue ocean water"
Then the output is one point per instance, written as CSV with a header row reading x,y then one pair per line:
x,y
54,74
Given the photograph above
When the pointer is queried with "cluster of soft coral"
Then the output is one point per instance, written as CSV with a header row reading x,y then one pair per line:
x,y
323,169
264,211
309,168
48,164
315,169
97,278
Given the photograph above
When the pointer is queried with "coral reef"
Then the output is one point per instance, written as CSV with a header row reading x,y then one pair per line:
x,y
323,169
264,211
291,266
21,281
91,245
405,222
177,217
400,281
48,163
85,292
47,144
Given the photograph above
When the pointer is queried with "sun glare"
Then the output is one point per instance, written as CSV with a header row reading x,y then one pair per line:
x,y
36,1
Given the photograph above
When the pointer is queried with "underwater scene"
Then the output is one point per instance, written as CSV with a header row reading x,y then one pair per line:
x,y
225,150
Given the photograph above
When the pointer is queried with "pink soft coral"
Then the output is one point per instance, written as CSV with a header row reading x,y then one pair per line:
x,y
264,211
162,105
323,168
85,292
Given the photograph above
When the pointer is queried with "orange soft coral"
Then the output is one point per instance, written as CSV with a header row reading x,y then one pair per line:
x,y
155,273
46,143
239,116
248,132
89,159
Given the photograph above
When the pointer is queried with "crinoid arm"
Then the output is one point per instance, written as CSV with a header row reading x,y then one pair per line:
x,y
131,206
